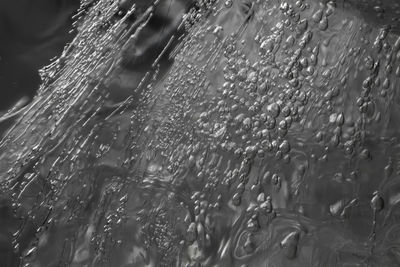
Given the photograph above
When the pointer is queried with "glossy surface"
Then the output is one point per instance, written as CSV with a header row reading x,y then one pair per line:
x,y
266,135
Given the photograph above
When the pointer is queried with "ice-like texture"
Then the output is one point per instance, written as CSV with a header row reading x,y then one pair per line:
x,y
263,133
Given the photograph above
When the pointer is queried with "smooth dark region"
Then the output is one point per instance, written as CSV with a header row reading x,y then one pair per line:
x,y
32,33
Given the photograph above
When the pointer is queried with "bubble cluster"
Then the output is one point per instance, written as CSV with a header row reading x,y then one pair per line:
x,y
271,140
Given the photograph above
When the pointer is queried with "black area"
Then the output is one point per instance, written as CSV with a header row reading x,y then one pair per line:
x,y
31,33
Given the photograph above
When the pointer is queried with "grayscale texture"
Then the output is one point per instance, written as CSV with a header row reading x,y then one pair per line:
x,y
209,133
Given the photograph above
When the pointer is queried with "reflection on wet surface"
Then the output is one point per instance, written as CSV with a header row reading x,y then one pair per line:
x,y
261,133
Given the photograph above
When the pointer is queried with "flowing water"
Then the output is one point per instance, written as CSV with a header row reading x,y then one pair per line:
x,y
235,133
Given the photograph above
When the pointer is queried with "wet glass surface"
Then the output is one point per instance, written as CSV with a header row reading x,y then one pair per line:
x,y
210,133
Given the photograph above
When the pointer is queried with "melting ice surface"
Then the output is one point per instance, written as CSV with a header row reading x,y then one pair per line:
x,y
271,140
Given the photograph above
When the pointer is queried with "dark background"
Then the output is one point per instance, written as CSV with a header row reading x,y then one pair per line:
x,y
31,33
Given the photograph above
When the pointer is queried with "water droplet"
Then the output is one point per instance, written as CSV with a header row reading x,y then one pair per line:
x,y
289,244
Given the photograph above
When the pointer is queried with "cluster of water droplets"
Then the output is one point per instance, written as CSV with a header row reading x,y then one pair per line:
x,y
272,140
